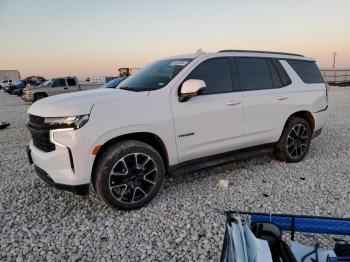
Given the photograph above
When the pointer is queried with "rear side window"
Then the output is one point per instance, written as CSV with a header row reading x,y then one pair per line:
x,y
254,73
307,71
71,82
216,74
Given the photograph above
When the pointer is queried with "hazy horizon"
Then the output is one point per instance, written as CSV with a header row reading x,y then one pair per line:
x,y
95,38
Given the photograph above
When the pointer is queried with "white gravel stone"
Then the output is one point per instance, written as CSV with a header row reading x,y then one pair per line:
x,y
182,223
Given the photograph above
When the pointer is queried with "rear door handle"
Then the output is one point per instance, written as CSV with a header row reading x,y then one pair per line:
x,y
281,98
233,103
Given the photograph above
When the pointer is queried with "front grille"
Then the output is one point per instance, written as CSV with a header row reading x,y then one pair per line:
x,y
36,120
40,133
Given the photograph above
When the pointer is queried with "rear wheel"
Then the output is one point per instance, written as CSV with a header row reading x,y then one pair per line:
x,y
295,140
129,174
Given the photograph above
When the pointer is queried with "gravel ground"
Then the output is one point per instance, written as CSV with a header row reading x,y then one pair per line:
x,y
182,223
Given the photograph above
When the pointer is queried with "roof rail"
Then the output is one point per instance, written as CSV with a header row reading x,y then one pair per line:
x,y
254,51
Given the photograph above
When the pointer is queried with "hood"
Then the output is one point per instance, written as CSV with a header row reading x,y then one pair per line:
x,y
35,87
80,102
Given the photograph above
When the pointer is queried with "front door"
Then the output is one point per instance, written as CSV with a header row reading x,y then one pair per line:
x,y
212,122
58,86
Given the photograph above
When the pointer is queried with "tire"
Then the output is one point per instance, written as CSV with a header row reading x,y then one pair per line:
x,y
39,96
295,141
123,175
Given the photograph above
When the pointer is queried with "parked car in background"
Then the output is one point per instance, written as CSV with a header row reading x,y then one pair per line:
x,y
177,115
127,71
51,87
6,88
114,83
34,80
18,92
5,83
30,82
20,84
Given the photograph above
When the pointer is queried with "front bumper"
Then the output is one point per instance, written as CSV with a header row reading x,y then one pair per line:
x,y
27,96
79,189
64,154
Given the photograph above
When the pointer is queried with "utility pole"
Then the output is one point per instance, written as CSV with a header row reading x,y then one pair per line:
x,y
334,54
334,72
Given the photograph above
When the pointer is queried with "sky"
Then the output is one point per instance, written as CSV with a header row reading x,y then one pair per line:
x,y
94,38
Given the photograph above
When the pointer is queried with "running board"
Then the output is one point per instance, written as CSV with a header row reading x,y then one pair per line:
x,y
220,159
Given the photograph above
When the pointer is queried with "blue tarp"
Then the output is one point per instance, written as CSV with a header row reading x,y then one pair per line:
x,y
307,224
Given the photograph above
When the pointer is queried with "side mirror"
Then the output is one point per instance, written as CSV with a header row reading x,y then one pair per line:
x,y
191,88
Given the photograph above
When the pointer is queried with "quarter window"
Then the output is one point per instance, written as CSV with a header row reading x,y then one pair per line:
x,y
216,74
59,82
307,71
281,72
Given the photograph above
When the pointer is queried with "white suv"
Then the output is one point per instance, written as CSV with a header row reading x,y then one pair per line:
x,y
177,115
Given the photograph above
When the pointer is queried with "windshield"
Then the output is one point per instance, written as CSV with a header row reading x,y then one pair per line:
x,y
155,76
46,83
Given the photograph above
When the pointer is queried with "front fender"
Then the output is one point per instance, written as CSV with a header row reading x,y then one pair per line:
x,y
167,138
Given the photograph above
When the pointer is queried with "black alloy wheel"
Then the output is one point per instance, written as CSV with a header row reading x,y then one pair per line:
x,y
132,178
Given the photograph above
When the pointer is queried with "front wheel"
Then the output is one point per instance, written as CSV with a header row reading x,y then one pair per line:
x,y
129,174
295,140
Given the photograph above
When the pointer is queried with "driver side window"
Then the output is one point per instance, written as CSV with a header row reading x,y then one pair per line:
x,y
216,74
59,83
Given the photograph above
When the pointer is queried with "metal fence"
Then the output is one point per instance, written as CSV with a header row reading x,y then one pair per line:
x,y
339,76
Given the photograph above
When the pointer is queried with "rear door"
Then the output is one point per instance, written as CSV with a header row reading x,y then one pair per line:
x,y
268,98
72,85
58,86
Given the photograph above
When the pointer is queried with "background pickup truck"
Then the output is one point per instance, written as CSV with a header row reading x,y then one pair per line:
x,y
52,87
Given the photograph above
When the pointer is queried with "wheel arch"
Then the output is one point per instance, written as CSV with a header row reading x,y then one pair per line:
x,y
40,93
146,137
307,115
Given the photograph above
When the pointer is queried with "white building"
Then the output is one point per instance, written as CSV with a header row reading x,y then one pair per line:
x,y
13,75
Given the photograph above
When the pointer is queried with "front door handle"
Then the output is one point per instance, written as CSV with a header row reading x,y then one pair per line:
x,y
233,103
65,88
281,98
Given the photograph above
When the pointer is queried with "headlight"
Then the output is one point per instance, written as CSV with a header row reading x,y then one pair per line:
x,y
75,122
